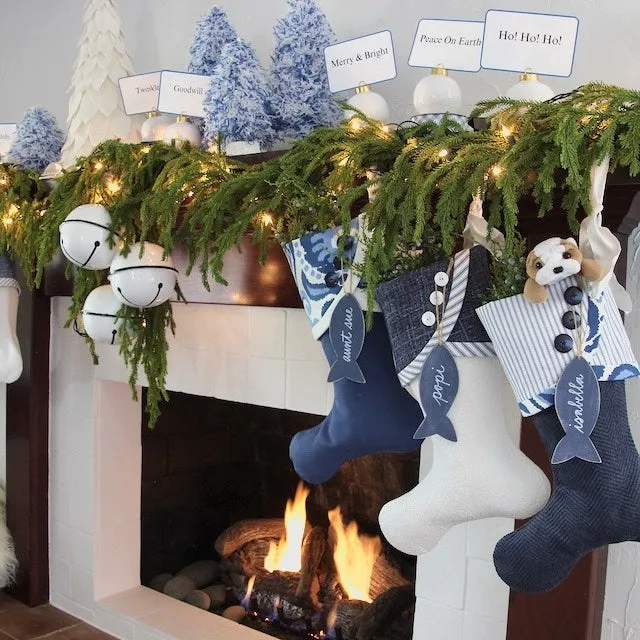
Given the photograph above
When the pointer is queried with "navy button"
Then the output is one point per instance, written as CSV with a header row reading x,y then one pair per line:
x,y
573,295
571,320
563,343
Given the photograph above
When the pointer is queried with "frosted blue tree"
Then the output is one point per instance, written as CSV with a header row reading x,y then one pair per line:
x,y
236,101
213,31
301,100
38,140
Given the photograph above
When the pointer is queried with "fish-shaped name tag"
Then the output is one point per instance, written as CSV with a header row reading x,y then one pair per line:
x,y
438,390
578,406
346,332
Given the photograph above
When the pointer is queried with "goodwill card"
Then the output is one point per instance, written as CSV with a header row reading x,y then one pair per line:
x,y
360,61
140,93
7,134
183,93
518,41
454,44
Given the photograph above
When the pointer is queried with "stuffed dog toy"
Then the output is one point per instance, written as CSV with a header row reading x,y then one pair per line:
x,y
552,261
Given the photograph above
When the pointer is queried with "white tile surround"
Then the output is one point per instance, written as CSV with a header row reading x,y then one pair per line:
x,y
249,354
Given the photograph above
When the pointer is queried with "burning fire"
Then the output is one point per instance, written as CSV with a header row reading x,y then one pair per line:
x,y
355,556
286,555
246,601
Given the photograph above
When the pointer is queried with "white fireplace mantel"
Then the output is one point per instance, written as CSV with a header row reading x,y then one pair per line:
x,y
262,356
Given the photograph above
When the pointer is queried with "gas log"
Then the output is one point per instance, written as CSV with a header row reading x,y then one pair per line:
x,y
311,600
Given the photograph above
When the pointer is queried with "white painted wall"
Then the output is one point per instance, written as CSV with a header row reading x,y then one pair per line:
x,y
621,619
38,41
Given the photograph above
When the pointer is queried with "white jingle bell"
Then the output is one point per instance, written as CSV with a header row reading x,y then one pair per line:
x,y
143,281
99,315
155,126
437,93
183,130
85,235
372,104
530,88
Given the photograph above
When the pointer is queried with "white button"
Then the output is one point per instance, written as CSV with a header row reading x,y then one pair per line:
x,y
441,279
428,318
436,298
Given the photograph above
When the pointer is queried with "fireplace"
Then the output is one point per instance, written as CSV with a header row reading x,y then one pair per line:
x,y
260,357
215,479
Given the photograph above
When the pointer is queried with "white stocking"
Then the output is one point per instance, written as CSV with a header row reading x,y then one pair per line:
x,y
482,475
10,357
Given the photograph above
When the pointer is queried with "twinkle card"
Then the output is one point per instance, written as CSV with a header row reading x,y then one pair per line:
x,y
140,93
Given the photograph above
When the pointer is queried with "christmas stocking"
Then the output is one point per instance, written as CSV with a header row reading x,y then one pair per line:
x,y
477,471
10,357
372,414
596,469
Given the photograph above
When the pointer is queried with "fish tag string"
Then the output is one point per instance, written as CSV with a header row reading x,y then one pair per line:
x,y
346,277
580,329
438,315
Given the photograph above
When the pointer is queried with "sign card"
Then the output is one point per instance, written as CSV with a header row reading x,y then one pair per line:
x,y
365,60
7,134
455,44
140,93
517,41
182,93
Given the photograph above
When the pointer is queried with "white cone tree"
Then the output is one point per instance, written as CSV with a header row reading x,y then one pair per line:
x,y
96,112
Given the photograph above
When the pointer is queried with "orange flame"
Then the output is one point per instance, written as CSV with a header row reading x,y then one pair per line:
x,y
354,556
286,555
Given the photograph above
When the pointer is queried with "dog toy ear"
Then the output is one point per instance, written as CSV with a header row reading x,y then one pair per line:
x,y
592,270
570,241
535,292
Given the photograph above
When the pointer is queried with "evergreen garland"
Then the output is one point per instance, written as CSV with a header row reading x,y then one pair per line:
x,y
425,177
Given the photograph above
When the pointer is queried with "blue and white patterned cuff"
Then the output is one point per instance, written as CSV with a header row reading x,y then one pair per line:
x,y
536,342
321,273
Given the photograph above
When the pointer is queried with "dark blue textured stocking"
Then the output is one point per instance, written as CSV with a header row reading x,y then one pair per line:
x,y
375,417
592,505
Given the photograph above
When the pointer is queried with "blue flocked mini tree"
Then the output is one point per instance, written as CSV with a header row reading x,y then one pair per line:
x,y
38,141
213,31
302,101
237,99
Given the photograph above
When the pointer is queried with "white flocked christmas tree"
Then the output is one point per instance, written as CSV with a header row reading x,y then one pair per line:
x,y
301,99
236,102
96,112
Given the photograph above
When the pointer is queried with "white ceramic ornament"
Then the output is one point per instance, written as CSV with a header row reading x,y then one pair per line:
x,y
183,130
437,93
155,126
85,235
143,281
99,315
372,104
530,88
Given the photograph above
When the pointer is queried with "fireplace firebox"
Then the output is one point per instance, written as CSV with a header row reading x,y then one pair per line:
x,y
215,480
